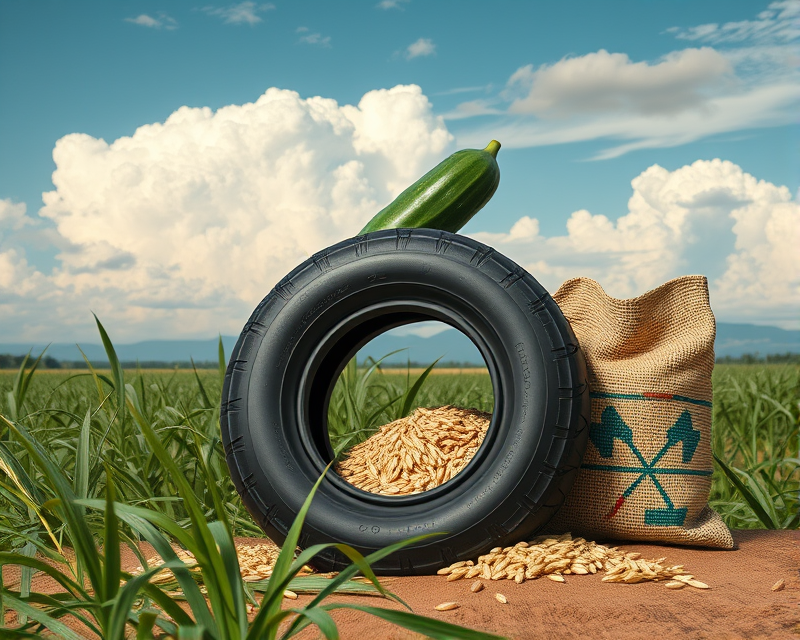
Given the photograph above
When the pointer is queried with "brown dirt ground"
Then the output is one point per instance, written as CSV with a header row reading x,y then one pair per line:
x,y
740,603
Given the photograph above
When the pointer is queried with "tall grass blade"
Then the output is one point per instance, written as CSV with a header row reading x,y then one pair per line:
x,y
112,564
211,486
227,549
348,572
748,495
319,617
81,479
195,632
359,563
139,519
27,491
13,634
95,376
19,389
312,584
116,366
411,394
29,550
144,627
70,585
123,601
168,606
56,626
21,383
12,395
222,363
271,601
203,395
16,472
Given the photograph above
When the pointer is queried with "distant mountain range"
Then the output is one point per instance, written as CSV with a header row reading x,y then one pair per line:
x,y
738,339
733,340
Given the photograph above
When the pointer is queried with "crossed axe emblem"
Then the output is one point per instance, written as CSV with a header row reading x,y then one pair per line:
x,y
612,427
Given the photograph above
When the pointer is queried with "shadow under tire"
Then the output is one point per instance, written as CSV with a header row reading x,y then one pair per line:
x,y
297,341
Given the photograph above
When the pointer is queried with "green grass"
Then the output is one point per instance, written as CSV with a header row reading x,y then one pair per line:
x,y
61,408
93,461
756,433
100,457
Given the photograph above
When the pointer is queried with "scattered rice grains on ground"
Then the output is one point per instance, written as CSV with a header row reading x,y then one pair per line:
x,y
557,556
416,453
256,562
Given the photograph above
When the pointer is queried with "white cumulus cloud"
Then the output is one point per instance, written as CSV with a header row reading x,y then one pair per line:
x,y
241,13
392,4
605,82
12,216
163,21
709,217
18,280
421,48
313,38
181,228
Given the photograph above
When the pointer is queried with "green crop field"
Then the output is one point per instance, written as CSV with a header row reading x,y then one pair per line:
x,y
756,433
756,430
148,441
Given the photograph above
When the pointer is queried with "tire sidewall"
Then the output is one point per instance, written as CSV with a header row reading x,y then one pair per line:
x,y
501,307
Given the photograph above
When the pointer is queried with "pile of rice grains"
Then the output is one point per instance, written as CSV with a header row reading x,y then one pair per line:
x,y
416,453
427,449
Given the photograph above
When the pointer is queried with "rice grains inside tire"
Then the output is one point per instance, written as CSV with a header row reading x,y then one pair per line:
x,y
297,341
416,453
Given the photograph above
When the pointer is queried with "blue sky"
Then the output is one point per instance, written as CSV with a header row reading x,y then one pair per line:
x,y
585,97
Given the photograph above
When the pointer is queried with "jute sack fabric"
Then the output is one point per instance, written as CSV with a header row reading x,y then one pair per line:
x,y
646,474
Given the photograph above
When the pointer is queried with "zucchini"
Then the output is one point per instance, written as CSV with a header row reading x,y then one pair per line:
x,y
447,196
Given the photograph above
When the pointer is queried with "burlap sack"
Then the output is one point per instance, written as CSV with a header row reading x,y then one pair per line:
x,y
646,474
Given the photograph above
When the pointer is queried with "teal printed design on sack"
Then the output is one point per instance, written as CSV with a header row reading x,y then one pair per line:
x,y
650,396
612,427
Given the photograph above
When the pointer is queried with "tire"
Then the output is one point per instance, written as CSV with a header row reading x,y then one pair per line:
x,y
297,341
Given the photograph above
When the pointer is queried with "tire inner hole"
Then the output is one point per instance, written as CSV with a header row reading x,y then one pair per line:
x,y
409,409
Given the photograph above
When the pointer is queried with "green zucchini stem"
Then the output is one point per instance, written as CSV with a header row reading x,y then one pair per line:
x,y
493,147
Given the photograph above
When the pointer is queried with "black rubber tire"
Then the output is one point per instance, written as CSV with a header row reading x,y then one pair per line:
x,y
297,341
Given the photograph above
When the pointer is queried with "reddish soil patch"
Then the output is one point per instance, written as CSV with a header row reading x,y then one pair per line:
x,y
740,603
